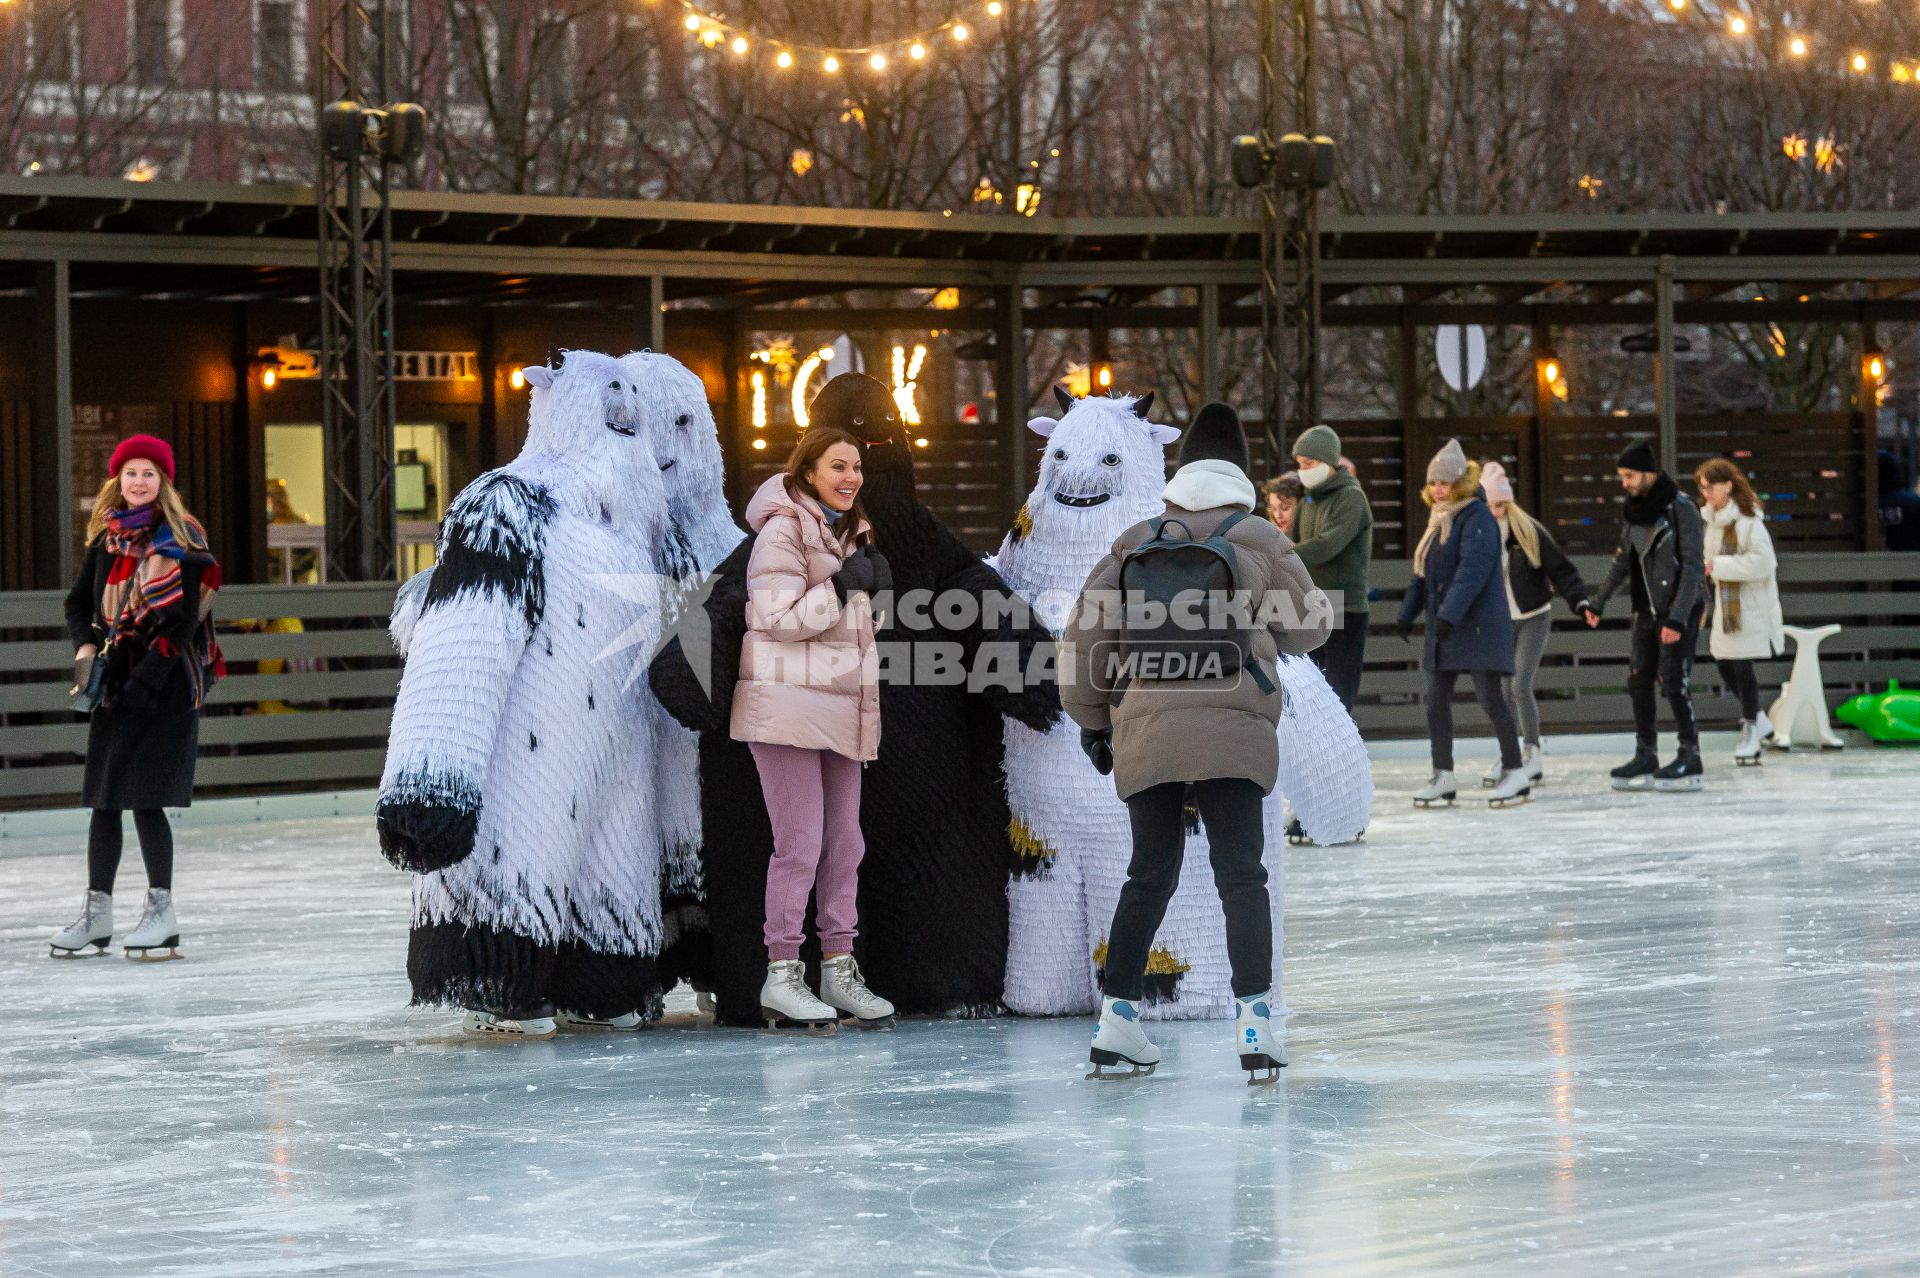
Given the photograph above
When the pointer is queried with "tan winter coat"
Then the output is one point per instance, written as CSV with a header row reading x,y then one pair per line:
x,y
809,673
1196,730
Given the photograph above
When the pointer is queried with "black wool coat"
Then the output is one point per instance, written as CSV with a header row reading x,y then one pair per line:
x,y
140,758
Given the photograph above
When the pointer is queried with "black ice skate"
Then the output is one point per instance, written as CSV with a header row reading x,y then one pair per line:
x,y
532,1023
1684,774
1637,772
1297,834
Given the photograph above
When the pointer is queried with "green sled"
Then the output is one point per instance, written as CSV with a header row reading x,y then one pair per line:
x,y
1893,715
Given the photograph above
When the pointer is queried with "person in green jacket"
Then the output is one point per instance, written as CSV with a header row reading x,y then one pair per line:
x,y
1333,535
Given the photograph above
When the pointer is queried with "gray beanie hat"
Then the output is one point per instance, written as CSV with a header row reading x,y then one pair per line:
x,y
1449,465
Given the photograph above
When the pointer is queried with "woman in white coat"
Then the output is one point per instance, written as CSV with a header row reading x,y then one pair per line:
x,y
1745,600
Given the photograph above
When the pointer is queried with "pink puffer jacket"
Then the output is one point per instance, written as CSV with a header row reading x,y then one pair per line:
x,y
809,674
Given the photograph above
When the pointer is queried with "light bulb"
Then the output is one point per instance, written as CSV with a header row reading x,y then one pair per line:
x,y
693,22
269,378
784,61
918,51
878,62
994,8
1798,47
830,64
1738,26
959,31
739,44
759,443
1859,62
517,379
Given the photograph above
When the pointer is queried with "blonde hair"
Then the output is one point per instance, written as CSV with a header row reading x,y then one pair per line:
x,y
186,529
1525,531
1440,522
1462,489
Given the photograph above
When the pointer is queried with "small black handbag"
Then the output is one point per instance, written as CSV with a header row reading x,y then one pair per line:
x,y
89,683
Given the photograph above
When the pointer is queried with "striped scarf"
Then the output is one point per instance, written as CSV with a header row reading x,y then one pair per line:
x,y
1730,590
145,580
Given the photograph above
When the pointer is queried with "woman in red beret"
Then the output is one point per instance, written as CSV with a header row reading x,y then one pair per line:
x,y
142,604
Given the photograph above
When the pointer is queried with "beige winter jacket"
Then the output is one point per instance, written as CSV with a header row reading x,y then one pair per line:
x,y
809,673
1195,730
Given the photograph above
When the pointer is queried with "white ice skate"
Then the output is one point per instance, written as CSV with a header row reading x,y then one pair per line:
x,y
843,988
1263,1051
1439,790
1747,753
93,928
1118,1039
1533,760
787,1003
1763,727
157,939
579,1020
1515,787
537,1023
1491,777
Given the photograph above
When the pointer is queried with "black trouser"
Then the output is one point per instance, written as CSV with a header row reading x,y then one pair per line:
x,y
1740,679
1230,808
103,848
1342,657
1492,697
1670,665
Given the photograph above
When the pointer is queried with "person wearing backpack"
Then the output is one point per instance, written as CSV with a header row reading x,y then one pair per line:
x,y
1458,584
138,618
1207,735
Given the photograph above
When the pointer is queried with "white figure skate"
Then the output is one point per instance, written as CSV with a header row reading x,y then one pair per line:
x,y
1747,753
157,939
1515,787
1119,1040
787,1003
1441,789
1534,761
93,928
1800,711
1263,1052
843,988
1491,777
535,1023
627,1021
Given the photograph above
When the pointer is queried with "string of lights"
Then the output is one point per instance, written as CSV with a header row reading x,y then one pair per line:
x,y
1746,26
715,31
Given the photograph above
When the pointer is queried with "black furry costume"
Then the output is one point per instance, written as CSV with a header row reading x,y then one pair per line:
x,y
933,886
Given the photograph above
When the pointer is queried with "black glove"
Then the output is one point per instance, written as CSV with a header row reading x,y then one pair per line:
x,y
882,570
1404,628
135,697
1442,628
855,575
1098,743
422,836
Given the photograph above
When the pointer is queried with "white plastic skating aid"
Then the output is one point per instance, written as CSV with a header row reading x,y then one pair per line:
x,y
844,989
1801,708
93,929
1441,789
1263,1052
624,1021
157,939
1747,753
788,1004
535,1024
1119,1040
1515,787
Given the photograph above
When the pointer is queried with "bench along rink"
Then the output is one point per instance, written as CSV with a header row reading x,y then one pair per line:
x,y
1614,1033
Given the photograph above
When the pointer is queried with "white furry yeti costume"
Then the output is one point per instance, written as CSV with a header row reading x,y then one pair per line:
x,y
1104,471
516,779
700,533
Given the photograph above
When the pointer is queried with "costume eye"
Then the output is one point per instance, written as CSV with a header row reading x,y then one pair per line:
x,y
890,417
859,420
1111,459
613,385
1059,454
683,419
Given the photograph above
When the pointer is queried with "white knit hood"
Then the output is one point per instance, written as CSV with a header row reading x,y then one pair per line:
x,y
1205,485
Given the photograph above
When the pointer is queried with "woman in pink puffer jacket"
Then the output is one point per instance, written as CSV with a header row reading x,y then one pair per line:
x,y
808,706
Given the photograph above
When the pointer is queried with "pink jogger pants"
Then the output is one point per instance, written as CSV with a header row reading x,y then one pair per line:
x,y
813,799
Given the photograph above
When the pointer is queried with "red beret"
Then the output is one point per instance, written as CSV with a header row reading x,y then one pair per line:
x,y
146,448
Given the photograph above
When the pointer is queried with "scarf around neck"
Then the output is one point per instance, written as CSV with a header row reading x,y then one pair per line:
x,y
1728,592
145,580
1651,506
1439,528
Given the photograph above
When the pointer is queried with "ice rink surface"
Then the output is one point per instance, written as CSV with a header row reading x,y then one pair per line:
x,y
1599,1034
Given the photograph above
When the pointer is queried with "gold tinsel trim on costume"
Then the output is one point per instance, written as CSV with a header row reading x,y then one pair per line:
x,y
1022,524
1159,962
1027,845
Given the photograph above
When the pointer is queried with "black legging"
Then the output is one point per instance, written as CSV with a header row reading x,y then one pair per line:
x,y
1744,684
103,848
1231,810
1486,687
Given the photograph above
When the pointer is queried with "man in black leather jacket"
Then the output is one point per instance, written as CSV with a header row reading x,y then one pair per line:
x,y
1660,555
